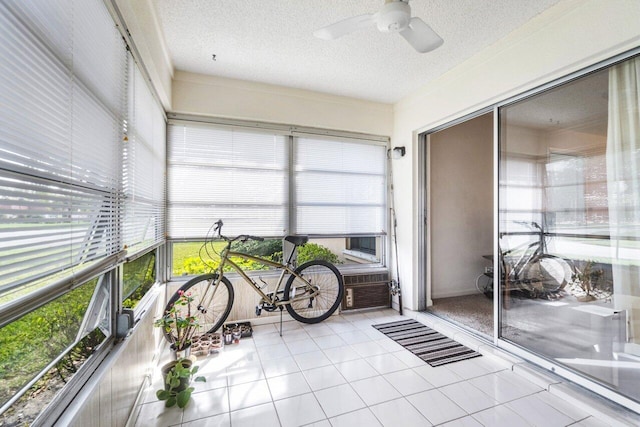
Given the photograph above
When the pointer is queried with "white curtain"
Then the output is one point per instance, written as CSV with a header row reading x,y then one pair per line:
x,y
623,176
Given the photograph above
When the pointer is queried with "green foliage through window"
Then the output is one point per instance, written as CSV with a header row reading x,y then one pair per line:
x,y
30,343
313,251
139,276
188,257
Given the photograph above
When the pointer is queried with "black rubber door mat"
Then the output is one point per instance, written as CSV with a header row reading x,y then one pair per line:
x,y
429,345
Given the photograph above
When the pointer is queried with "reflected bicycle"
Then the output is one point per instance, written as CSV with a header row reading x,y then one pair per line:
x,y
534,273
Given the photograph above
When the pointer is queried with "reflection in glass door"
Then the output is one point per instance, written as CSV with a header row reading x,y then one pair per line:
x,y
569,225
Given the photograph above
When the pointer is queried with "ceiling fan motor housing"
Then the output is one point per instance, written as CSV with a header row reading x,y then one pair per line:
x,y
394,16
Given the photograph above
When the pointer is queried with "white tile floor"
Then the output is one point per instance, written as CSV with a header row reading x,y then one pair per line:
x,y
343,372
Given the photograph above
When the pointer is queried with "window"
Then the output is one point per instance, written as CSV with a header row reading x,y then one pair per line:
x,y
51,343
144,153
229,173
139,276
81,178
569,163
328,188
565,189
366,245
63,108
340,186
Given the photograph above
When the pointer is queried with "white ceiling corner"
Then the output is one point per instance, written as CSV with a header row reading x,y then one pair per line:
x,y
271,41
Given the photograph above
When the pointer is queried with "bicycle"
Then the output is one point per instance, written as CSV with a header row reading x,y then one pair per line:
x,y
537,272
313,290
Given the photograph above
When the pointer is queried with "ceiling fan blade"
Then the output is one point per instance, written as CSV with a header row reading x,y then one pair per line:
x,y
421,36
344,27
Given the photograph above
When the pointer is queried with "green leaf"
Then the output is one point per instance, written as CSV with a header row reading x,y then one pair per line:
x,y
163,394
170,402
183,398
175,382
194,370
201,379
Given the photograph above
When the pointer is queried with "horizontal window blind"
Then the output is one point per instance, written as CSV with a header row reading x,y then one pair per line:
x,y
228,173
340,187
63,97
144,162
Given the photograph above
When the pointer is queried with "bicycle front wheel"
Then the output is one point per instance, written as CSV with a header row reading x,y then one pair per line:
x,y
316,297
213,302
547,274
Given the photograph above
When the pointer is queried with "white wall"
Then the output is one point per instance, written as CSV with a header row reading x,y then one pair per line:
x,y
566,38
237,99
461,213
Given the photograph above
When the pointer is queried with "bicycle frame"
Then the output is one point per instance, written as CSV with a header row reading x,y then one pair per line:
x,y
519,265
225,259
523,260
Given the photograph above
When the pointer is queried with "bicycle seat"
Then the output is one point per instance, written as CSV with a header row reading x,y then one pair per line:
x,y
297,240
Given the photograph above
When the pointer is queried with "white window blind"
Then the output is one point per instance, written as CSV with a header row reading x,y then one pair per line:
x,y
63,105
340,187
233,174
144,167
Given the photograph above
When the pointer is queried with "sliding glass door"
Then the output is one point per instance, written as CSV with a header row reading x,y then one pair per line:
x,y
569,225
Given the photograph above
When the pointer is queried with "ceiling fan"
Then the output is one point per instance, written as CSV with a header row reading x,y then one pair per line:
x,y
393,17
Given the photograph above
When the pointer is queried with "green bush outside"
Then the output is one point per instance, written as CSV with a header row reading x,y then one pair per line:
x,y
30,343
312,251
138,276
265,248
187,256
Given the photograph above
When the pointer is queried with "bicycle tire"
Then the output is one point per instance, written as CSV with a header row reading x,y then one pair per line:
x,y
325,278
213,316
484,285
546,274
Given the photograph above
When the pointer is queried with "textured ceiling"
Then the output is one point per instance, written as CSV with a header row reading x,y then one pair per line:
x,y
271,41
581,106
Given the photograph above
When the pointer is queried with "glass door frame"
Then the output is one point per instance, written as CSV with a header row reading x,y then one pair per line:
x,y
520,351
423,250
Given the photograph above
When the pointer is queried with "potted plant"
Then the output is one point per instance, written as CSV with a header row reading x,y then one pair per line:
x,y
177,377
179,323
587,280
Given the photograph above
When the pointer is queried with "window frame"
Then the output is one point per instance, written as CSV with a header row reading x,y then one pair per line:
x,y
292,132
60,401
108,267
140,307
526,352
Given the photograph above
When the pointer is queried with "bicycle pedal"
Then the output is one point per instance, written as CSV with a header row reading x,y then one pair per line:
x,y
258,310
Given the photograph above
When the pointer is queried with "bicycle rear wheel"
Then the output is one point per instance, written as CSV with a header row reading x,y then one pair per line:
x,y
216,304
324,292
547,274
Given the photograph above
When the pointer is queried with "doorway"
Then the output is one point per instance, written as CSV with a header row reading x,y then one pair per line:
x,y
459,232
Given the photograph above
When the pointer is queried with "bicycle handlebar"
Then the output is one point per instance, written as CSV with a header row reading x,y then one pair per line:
x,y
218,227
531,224
243,237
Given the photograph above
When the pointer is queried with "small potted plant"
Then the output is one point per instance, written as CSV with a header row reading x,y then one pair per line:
x,y
587,280
180,324
177,379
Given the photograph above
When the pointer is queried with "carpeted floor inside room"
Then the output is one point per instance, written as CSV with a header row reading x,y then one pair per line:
x,y
472,311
